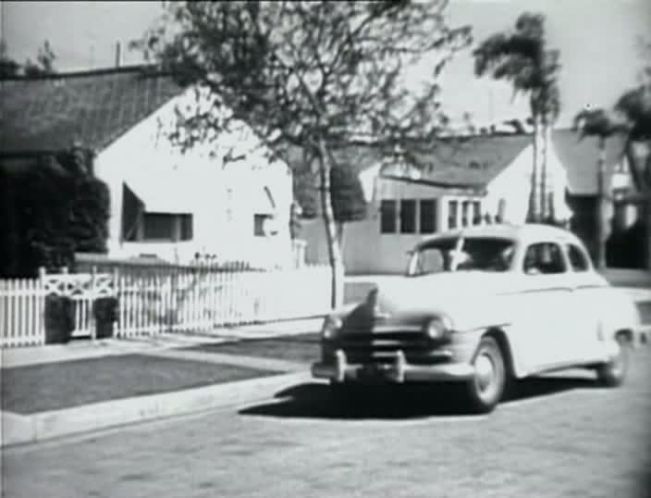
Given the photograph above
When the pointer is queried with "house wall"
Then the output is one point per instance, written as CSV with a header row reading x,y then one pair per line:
x,y
366,250
222,196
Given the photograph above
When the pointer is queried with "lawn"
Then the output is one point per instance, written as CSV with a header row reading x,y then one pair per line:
x,y
298,348
54,386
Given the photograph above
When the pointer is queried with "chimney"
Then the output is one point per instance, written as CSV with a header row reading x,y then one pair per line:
x,y
118,54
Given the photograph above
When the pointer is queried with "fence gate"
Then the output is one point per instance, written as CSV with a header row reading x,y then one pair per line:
x,y
83,289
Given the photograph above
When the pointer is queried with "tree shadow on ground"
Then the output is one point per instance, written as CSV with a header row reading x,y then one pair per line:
x,y
316,400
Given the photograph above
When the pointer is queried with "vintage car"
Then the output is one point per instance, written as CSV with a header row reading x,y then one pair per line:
x,y
483,305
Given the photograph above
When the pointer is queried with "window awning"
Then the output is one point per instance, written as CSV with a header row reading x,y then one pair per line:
x,y
163,191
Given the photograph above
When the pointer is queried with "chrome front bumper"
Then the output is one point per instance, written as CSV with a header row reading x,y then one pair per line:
x,y
397,370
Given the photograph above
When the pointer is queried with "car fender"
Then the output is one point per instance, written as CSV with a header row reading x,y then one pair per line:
x,y
617,313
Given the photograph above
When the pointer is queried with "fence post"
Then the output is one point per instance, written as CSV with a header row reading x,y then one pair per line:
x,y
117,299
91,301
41,305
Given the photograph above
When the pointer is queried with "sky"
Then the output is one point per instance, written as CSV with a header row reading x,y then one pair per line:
x,y
596,39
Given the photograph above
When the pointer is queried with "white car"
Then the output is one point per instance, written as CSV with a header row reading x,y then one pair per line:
x,y
484,305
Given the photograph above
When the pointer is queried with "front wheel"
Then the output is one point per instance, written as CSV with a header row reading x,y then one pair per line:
x,y
487,385
613,373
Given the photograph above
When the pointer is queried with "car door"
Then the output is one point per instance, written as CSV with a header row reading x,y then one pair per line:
x,y
544,306
589,298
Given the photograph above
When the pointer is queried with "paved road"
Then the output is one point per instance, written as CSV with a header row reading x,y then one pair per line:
x,y
560,437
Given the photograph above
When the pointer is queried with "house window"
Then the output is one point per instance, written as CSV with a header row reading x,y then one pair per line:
x,y
187,229
261,225
476,212
408,216
453,207
167,227
388,217
465,212
428,216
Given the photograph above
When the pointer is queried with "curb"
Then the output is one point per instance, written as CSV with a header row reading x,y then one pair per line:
x,y
28,429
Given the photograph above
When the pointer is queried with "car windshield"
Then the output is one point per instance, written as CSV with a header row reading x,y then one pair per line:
x,y
461,254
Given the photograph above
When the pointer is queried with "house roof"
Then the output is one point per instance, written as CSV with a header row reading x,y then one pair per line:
x,y
579,156
453,162
93,108
472,162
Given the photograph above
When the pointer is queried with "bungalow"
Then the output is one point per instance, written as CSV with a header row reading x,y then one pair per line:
x,y
459,181
226,199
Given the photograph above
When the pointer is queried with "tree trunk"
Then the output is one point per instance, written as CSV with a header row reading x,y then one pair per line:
x,y
545,187
601,228
334,251
340,235
534,197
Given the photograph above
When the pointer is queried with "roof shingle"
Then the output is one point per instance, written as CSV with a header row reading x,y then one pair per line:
x,y
94,108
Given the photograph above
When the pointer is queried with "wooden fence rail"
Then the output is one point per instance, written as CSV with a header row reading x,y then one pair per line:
x,y
153,300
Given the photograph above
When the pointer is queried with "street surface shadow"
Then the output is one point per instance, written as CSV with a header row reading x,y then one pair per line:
x,y
316,400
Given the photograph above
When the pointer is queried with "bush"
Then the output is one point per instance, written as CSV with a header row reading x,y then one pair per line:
x,y
59,319
52,207
105,311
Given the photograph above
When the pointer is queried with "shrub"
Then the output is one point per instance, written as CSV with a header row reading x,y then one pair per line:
x,y
52,208
59,319
105,311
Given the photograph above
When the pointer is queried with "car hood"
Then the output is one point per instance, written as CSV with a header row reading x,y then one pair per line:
x,y
445,287
469,298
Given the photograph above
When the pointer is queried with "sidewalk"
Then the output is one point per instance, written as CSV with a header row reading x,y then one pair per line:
x,y
176,374
57,390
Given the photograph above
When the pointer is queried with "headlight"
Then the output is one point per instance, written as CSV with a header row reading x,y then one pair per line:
x,y
438,327
331,326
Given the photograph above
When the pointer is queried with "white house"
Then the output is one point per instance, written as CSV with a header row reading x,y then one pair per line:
x,y
460,181
165,202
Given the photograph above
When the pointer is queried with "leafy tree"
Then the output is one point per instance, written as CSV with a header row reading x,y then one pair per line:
x,y
602,125
8,66
311,74
521,57
44,64
52,208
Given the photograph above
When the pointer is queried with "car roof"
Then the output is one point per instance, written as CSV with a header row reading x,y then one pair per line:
x,y
530,232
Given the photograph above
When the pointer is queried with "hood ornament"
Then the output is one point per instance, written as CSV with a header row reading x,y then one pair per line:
x,y
373,305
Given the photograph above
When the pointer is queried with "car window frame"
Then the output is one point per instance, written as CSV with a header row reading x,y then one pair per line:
x,y
582,252
561,252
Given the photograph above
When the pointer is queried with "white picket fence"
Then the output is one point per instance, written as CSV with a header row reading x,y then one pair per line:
x,y
165,300
22,306
204,300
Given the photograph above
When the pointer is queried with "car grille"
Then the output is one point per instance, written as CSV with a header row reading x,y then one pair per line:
x,y
368,338
382,347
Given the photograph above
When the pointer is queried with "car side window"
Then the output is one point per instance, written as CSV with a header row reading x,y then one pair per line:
x,y
543,258
578,259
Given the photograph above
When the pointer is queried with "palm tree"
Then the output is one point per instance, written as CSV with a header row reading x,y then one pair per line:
x,y
635,106
598,123
521,57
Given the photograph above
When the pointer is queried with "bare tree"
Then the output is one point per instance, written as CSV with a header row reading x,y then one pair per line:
x,y
318,75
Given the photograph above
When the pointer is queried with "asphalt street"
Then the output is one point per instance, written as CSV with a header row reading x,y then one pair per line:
x,y
559,436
